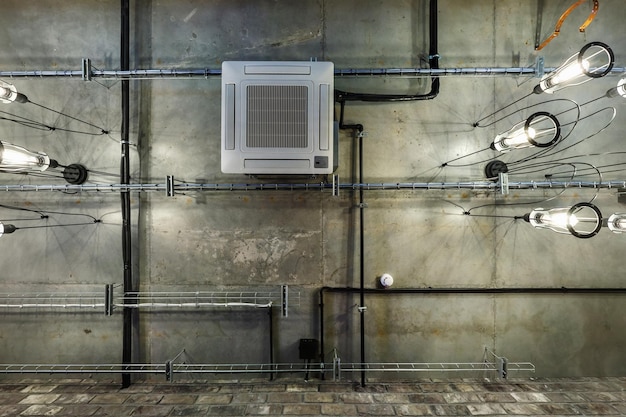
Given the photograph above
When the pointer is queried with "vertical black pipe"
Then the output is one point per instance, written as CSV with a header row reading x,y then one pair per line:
x,y
433,50
271,318
433,60
540,7
125,195
322,331
362,259
341,97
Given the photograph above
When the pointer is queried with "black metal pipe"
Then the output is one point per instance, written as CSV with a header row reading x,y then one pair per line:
x,y
125,195
433,60
355,126
322,356
514,290
270,313
341,97
358,130
362,259
433,51
458,291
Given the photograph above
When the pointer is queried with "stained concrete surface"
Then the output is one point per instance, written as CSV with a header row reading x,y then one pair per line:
x,y
453,397
247,241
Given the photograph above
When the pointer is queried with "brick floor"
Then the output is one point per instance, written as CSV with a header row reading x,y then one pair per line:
x,y
474,397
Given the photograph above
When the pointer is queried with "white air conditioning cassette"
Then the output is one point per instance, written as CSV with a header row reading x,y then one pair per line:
x,y
277,117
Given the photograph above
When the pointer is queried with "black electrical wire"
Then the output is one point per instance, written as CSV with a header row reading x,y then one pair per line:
x,y
42,126
477,122
547,151
527,158
447,163
541,167
576,105
544,152
610,170
552,150
469,211
102,130
600,167
33,124
44,213
103,173
40,212
56,225
48,174
585,138
25,121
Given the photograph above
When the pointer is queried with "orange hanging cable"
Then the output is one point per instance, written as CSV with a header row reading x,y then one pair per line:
x,y
582,28
592,16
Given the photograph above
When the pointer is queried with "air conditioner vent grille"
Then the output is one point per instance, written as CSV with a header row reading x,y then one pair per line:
x,y
277,116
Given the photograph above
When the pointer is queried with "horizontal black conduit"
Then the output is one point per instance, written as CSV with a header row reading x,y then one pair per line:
x,y
457,291
433,60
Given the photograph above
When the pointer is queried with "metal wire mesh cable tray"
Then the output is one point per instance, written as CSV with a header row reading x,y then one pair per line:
x,y
169,368
435,367
108,300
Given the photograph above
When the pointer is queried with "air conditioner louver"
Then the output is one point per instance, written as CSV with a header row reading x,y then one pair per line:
x,y
277,117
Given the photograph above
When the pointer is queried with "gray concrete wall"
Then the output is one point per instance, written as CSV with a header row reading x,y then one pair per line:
x,y
259,240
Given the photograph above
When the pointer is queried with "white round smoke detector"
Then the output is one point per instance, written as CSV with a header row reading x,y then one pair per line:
x,y
386,280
